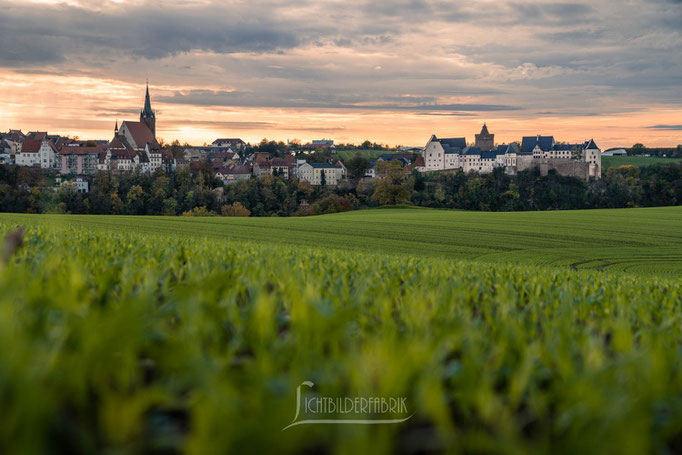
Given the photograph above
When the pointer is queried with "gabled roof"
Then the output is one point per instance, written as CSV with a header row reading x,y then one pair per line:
x,y
566,147
229,139
143,157
120,142
590,145
454,143
37,135
490,155
471,151
545,142
280,162
62,141
325,166
261,156
121,149
237,170
31,146
141,134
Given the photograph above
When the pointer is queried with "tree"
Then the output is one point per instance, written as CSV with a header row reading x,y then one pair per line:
x,y
116,204
323,178
393,188
357,166
135,200
637,149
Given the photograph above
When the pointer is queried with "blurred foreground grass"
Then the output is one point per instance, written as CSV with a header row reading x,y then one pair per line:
x,y
131,343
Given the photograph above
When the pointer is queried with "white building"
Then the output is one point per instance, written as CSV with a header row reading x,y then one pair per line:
x,y
39,153
617,152
440,154
312,173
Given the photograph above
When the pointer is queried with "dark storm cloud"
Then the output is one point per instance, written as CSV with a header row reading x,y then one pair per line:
x,y
555,13
665,127
31,34
246,99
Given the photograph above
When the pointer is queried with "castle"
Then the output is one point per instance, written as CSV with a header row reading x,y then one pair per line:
x,y
581,160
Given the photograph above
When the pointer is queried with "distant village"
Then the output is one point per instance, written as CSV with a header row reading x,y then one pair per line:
x,y
134,147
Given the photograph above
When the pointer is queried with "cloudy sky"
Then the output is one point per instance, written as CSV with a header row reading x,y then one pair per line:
x,y
391,71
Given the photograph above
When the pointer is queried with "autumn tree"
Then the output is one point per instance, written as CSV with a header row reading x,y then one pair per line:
x,y
394,187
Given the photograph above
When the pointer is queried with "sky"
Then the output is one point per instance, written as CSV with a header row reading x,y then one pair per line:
x,y
394,72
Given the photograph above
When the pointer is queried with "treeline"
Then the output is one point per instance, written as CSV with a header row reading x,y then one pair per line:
x,y
627,186
669,152
197,193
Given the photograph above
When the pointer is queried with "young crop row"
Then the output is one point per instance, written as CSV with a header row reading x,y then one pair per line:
x,y
126,341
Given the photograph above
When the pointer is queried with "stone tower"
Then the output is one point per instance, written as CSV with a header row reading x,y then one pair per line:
x,y
147,115
485,141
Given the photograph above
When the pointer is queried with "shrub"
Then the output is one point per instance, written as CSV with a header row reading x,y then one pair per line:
x,y
199,211
236,209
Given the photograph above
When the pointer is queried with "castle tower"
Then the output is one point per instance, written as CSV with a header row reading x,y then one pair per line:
x,y
147,115
485,141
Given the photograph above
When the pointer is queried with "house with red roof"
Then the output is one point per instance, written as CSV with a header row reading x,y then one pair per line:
x,y
37,152
233,173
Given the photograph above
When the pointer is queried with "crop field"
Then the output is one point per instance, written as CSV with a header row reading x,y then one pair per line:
x,y
637,161
177,335
641,241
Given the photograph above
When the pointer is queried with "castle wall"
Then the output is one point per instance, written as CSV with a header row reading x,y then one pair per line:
x,y
565,167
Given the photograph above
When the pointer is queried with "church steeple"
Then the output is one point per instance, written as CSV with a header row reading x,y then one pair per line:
x,y
147,115
116,128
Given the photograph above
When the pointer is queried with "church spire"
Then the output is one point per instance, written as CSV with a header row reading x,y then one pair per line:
x,y
147,115
116,127
148,104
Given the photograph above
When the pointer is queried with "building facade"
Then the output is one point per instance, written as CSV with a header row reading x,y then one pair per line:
x,y
38,153
313,173
79,160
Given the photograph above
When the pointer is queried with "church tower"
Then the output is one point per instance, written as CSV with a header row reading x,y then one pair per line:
x,y
147,115
485,141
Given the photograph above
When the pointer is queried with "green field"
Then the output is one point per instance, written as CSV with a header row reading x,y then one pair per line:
x,y
504,332
643,240
638,161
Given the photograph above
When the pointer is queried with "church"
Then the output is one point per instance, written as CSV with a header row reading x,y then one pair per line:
x,y
135,146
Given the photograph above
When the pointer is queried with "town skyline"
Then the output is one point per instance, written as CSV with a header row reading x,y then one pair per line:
x,y
393,73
